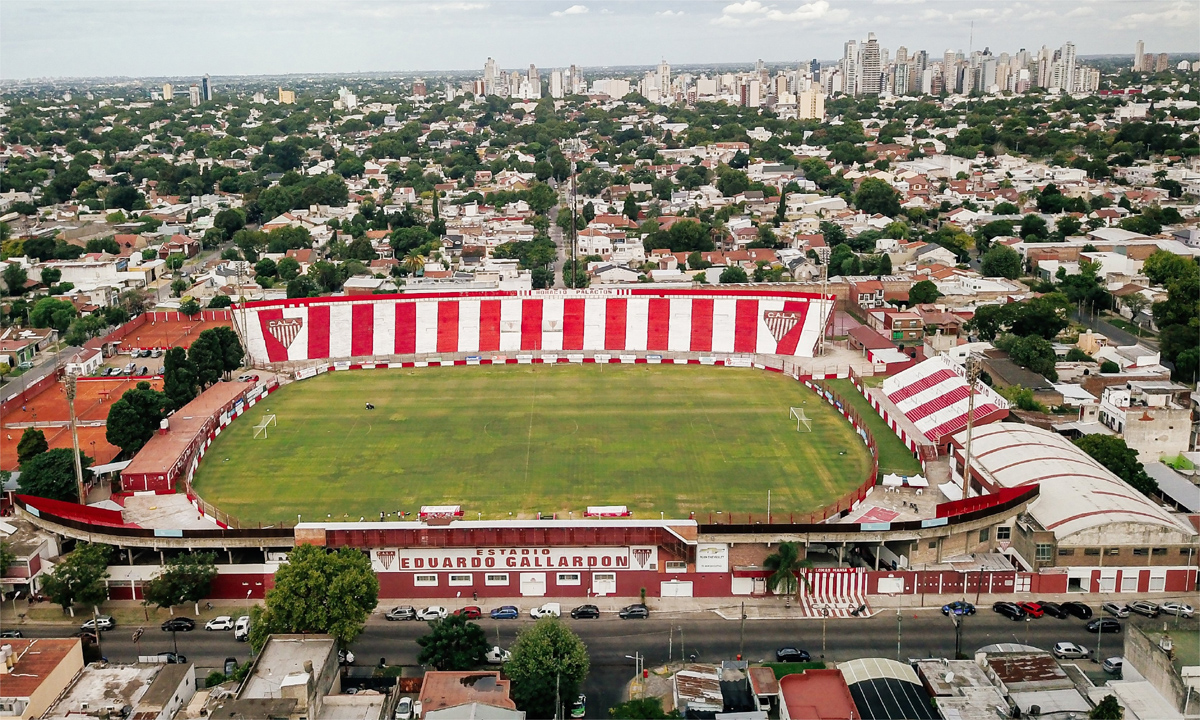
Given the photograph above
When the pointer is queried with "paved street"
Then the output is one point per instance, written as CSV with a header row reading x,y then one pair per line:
x,y
923,633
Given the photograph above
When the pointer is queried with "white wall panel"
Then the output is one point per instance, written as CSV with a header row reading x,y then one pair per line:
x,y
552,323
385,328
468,326
339,330
724,313
637,321
593,323
427,321
510,324
679,336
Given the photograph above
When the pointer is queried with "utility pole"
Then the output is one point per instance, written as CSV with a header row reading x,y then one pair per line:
x,y
75,440
742,637
832,306
898,616
972,377
574,235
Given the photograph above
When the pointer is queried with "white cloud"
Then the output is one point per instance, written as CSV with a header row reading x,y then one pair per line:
x,y
1183,14
573,10
746,7
669,13
809,11
458,6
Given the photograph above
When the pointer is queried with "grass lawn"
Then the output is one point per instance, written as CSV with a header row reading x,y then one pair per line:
x,y
894,457
515,440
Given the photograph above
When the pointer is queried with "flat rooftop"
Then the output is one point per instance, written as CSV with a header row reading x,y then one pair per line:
x,y
282,656
102,686
35,660
162,451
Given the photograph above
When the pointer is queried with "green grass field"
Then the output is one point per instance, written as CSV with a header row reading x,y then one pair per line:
x,y
522,439
894,456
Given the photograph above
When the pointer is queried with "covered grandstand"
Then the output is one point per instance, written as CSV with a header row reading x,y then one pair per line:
x,y
934,396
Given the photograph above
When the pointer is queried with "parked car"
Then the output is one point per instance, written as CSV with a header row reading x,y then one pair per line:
x,y
1031,608
471,612
433,612
404,709
637,611
1009,610
958,607
505,612
791,655
247,378
552,609
1078,609
579,707
1103,625
103,622
1054,610
497,655
401,612
1069,650
157,353
171,658
223,622
345,657
11,634
241,629
1113,665
145,371
584,612
182,624
1143,607
231,665
1115,609
1177,608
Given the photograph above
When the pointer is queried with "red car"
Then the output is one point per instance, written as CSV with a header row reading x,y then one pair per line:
x,y
472,612
1032,608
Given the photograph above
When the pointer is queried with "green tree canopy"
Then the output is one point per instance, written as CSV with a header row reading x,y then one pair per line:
x,y
52,313
923,292
649,708
32,443
1033,352
453,643
321,592
180,384
1108,709
1001,261
734,274
549,663
876,196
186,577
52,475
79,577
1112,452
134,419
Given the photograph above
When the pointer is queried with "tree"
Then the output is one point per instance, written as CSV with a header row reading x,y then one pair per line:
x,y
178,285
876,196
1001,261
288,268
1108,709
1163,266
1036,353
179,378
15,278
734,274
732,182
1034,225
186,577
189,307
33,443
1067,225
1136,303
630,208
229,221
134,419
318,591
453,643
52,313
52,475
1122,461
1108,367
923,292
219,302
79,577
51,276
549,663
213,353
785,564
302,287
649,708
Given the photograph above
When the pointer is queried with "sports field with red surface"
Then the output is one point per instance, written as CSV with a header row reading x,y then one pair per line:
x,y
168,333
92,401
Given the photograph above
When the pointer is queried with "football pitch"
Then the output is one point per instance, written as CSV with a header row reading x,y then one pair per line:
x,y
512,441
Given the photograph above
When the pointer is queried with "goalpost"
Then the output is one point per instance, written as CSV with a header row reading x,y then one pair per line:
x,y
261,428
803,423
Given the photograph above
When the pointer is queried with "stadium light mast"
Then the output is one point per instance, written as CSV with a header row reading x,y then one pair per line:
x,y
574,231
972,366
70,382
832,309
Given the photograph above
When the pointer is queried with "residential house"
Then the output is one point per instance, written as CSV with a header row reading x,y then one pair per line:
x,y
867,294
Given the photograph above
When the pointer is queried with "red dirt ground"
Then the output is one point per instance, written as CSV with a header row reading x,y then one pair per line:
x,y
169,333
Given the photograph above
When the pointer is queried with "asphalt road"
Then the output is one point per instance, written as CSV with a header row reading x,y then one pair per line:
x,y
922,634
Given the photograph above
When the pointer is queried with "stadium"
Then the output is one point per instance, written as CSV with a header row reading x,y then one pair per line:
x,y
608,443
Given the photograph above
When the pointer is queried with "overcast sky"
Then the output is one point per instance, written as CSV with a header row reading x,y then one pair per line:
x,y
70,38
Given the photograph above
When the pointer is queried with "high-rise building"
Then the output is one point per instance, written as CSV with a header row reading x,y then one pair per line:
x,y
168,92
556,83
1139,52
1068,63
194,95
206,91
810,103
664,79
870,71
419,88
814,67
1163,63
849,68
574,82
490,77
535,80
287,97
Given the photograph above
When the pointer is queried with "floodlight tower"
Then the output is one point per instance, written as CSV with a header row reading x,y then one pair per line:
x,y
972,367
70,382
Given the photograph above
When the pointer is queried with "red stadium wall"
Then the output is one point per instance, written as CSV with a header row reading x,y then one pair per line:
x,y
746,321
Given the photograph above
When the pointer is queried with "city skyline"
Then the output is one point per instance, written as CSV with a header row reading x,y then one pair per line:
x,y
262,39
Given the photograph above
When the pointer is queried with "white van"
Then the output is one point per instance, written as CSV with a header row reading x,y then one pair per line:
x,y
241,629
552,609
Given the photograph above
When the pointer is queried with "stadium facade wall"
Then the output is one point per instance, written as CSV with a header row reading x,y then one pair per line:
x,y
750,321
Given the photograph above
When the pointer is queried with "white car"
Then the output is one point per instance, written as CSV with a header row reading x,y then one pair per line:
x,y
223,622
1069,650
241,629
404,709
547,610
433,612
497,655
1177,608
1113,665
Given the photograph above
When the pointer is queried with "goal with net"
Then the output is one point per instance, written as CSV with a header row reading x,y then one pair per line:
x,y
260,430
803,424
